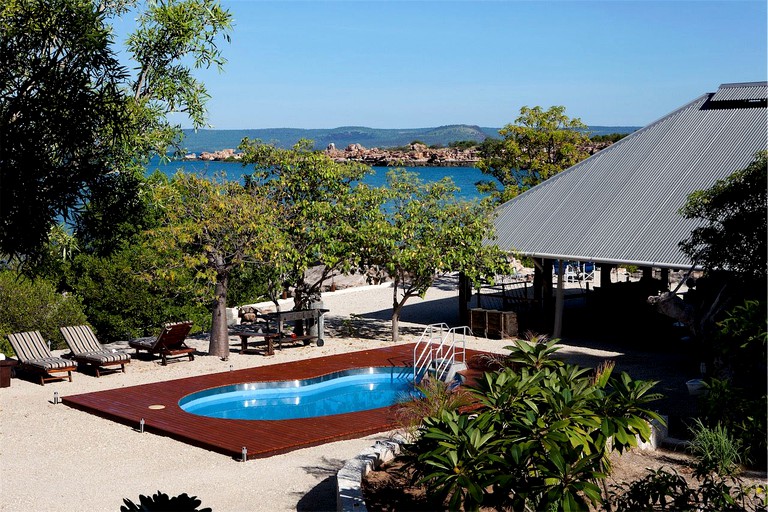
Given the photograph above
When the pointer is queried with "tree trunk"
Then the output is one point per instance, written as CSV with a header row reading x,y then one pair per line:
x,y
396,324
219,344
396,307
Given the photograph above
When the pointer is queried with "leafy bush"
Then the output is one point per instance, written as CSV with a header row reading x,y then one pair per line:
x,y
665,490
34,305
538,440
463,144
715,450
436,397
737,400
121,305
161,502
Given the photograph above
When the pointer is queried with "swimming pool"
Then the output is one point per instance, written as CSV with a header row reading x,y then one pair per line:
x,y
342,392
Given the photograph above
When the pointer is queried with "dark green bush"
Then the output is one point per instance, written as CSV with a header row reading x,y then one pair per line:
x,y
538,439
34,305
121,305
736,397
161,502
665,490
715,449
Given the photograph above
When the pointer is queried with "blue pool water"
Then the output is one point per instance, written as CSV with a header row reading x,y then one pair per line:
x,y
337,393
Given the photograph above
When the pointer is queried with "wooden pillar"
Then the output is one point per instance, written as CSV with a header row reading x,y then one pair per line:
x,y
465,295
605,274
647,273
538,275
546,291
665,279
557,330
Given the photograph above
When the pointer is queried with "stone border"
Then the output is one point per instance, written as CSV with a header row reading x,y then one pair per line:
x,y
349,479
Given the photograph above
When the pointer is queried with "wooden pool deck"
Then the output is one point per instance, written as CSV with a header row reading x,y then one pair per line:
x,y
157,404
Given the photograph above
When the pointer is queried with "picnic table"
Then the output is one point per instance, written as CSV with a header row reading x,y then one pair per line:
x,y
270,327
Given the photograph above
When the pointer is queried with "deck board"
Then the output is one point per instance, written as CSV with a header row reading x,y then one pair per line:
x,y
261,438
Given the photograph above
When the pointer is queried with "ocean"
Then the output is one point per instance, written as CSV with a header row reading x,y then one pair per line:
x,y
463,177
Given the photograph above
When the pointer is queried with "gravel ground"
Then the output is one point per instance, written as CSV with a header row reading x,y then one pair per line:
x,y
53,457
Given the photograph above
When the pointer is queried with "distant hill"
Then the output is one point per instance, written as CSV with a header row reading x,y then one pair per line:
x,y
216,140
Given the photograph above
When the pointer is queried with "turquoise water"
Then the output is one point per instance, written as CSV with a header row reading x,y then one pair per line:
x,y
464,177
355,390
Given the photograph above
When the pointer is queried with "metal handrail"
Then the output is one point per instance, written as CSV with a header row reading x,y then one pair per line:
x,y
424,358
427,350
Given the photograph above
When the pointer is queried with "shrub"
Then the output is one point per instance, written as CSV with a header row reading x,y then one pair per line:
x,y
121,305
737,400
34,305
436,397
715,450
161,502
539,438
665,490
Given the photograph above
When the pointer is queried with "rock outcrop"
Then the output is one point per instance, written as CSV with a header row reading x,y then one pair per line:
x,y
413,155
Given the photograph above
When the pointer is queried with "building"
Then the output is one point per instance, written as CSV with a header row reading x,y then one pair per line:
x,y
620,206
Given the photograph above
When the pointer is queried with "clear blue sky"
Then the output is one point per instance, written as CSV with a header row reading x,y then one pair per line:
x,y
413,64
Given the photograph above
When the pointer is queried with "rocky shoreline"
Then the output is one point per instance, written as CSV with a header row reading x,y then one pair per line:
x,y
413,155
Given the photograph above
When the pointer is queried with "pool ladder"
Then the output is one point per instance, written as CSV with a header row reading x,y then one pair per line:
x,y
440,351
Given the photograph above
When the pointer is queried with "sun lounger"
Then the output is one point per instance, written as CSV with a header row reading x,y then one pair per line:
x,y
34,356
87,350
170,342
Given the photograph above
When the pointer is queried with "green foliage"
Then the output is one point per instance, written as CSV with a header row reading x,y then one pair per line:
x,y
326,216
436,397
715,450
209,229
741,343
735,217
61,110
534,353
539,145
664,490
34,305
75,120
610,137
161,502
539,439
427,232
463,144
121,305
738,399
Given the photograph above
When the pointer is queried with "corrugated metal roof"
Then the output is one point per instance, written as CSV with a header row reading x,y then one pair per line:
x,y
741,91
621,204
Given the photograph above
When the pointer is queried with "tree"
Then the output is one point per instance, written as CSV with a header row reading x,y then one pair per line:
x,y
172,38
539,145
75,127
61,114
325,214
733,234
429,233
211,228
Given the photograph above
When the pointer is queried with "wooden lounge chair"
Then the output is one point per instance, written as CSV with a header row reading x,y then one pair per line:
x,y
87,350
34,356
170,342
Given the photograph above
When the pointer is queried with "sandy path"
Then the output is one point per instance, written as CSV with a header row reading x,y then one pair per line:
x,y
53,457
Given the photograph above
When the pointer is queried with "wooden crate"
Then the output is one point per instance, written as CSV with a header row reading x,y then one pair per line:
x,y
477,321
501,324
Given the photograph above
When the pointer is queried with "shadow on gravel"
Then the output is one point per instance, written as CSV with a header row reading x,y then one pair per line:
x,y
321,497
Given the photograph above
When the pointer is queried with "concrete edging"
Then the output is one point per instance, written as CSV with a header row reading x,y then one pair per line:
x,y
349,479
